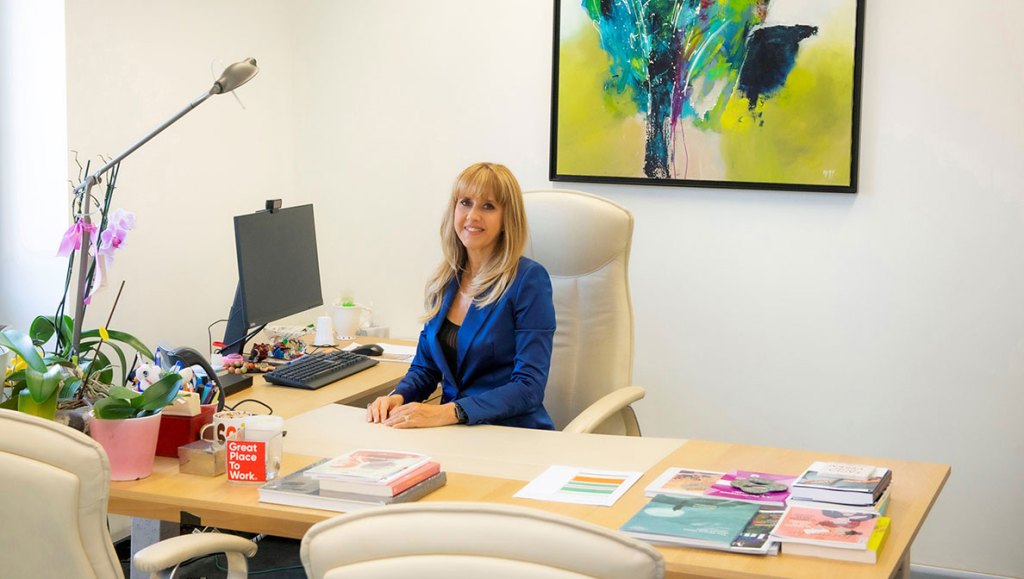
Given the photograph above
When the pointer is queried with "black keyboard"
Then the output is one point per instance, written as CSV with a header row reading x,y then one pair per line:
x,y
318,370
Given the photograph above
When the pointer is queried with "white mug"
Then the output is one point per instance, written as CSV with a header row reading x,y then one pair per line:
x,y
348,320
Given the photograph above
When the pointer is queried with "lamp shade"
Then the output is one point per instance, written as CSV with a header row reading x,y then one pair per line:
x,y
235,76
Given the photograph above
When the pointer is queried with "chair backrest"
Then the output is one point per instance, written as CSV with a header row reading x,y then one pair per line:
x,y
447,539
584,241
53,501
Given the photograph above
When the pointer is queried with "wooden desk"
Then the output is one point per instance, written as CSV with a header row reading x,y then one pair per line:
x,y
916,485
356,390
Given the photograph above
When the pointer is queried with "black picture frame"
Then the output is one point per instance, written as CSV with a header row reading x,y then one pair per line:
x,y
765,48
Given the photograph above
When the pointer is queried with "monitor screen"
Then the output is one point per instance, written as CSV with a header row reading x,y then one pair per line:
x,y
278,269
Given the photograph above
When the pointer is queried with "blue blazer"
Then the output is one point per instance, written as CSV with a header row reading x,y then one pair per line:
x,y
503,355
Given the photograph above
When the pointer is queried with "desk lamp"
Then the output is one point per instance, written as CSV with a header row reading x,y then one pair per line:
x,y
233,77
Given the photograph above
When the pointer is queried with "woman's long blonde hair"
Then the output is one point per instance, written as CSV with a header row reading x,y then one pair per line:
x,y
494,278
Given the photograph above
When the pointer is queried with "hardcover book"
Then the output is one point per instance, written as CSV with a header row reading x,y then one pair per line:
x,y
724,488
683,481
815,485
693,521
868,555
299,490
369,466
841,529
881,506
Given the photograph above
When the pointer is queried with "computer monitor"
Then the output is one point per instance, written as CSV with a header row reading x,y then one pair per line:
x,y
278,271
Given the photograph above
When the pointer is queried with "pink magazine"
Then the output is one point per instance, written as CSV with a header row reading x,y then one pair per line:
x,y
723,489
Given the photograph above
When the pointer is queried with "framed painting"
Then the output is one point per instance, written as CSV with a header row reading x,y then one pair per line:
x,y
746,94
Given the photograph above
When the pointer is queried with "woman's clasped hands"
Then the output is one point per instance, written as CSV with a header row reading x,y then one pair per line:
x,y
392,411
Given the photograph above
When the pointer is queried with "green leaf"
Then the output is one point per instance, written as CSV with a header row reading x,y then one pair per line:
x,y
71,386
161,393
122,393
101,368
66,332
113,409
22,346
41,330
17,379
124,338
109,378
41,386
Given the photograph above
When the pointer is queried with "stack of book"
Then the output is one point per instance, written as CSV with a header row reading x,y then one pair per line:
x,y
706,522
843,486
831,534
357,480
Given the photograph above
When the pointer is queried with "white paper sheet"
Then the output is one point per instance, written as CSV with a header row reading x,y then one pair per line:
x,y
570,484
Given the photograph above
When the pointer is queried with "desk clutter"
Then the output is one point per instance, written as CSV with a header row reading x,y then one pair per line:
x,y
359,479
831,510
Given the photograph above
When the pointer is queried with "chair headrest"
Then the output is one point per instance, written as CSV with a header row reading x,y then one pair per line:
x,y
574,233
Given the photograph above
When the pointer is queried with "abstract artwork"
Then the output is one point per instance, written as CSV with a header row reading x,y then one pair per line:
x,y
752,94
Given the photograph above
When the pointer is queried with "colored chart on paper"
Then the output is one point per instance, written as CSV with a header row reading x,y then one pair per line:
x,y
594,483
568,484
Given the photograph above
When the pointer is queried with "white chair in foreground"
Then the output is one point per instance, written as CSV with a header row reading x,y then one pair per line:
x,y
443,540
584,241
54,510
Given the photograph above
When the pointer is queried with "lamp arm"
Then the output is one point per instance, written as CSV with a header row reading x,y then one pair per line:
x,y
85,188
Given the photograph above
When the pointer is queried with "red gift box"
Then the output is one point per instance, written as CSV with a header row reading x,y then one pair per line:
x,y
176,431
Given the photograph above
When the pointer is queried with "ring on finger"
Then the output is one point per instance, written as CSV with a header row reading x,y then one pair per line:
x,y
405,418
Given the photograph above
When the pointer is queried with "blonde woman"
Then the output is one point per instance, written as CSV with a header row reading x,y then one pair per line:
x,y
490,319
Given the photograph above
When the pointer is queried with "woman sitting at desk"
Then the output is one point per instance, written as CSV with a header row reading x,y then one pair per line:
x,y
490,318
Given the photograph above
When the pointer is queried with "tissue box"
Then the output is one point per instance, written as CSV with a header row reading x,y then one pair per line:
x,y
201,457
176,431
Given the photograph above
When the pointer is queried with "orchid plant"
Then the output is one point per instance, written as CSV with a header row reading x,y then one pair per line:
x,y
47,367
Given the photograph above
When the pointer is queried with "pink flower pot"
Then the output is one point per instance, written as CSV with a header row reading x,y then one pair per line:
x,y
130,444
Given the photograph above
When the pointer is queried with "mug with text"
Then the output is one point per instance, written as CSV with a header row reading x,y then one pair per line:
x,y
226,425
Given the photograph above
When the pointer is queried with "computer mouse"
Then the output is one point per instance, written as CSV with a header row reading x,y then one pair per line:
x,y
369,350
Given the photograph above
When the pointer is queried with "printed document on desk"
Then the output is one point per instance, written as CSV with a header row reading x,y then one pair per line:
x,y
392,352
569,484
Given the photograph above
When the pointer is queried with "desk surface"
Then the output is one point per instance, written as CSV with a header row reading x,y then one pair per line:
x,y
219,503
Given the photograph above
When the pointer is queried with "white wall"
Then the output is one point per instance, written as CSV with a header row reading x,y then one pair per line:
x,y
33,146
132,65
885,323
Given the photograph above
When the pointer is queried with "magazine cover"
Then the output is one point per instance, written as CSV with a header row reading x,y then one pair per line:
x,y
758,531
378,466
812,477
726,489
705,519
849,529
683,481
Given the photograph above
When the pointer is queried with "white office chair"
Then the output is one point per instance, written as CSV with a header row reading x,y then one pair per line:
x,y
54,509
583,241
448,539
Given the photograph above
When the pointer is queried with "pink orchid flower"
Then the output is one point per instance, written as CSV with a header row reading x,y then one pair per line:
x,y
119,223
72,240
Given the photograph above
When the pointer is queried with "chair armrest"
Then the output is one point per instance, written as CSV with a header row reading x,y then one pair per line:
x,y
598,412
170,552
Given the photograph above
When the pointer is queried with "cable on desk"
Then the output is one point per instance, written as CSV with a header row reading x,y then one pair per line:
x,y
260,402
